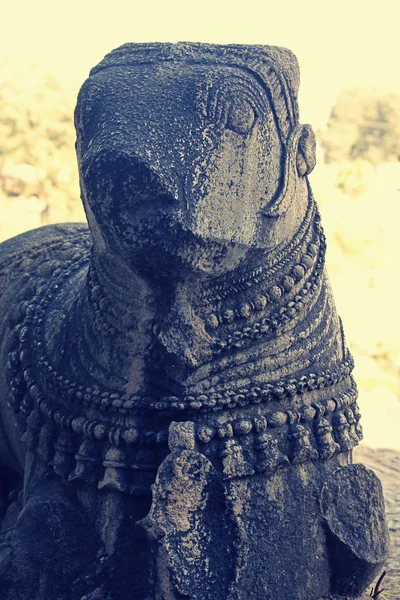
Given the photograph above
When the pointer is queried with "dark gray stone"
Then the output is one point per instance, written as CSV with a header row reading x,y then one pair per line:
x,y
358,539
177,405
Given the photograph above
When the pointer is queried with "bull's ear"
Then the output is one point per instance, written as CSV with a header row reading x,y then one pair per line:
x,y
287,189
299,161
306,151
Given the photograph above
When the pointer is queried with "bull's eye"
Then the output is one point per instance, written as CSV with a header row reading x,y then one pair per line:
x,y
241,118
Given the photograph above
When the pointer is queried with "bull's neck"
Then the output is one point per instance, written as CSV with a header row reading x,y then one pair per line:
x,y
121,299
123,316
116,317
141,330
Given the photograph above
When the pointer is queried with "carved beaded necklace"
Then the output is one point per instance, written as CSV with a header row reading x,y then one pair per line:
x,y
107,438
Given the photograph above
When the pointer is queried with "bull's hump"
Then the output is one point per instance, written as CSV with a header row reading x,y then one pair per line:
x,y
26,256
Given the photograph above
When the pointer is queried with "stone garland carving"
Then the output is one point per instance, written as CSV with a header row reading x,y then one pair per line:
x,y
69,442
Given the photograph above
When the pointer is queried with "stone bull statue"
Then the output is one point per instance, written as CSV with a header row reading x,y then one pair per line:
x,y
177,406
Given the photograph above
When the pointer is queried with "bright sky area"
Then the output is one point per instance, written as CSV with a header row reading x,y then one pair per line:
x,y
338,43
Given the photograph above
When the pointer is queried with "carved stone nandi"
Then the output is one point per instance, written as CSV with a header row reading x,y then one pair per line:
x,y
177,406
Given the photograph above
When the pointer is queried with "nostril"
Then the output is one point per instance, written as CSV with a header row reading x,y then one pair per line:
x,y
124,178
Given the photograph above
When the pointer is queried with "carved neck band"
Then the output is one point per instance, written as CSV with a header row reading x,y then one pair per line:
x,y
77,429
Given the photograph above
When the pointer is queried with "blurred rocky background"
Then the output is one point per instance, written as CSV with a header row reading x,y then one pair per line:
x,y
38,173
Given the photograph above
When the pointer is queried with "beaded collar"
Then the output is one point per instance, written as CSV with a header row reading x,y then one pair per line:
x,y
103,437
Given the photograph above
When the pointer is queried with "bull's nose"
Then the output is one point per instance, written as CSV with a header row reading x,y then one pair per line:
x,y
126,175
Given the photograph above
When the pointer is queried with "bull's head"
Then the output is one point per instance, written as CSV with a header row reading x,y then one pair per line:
x,y
191,156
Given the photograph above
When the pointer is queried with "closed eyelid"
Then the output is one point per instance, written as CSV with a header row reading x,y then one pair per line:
x,y
219,94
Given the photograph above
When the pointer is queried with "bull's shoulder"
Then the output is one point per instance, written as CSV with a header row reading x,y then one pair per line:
x,y
29,259
27,263
34,253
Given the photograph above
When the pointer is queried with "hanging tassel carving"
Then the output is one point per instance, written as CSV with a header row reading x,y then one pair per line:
x,y
63,461
352,423
302,450
341,430
145,469
88,462
358,427
117,474
327,445
233,460
234,463
269,457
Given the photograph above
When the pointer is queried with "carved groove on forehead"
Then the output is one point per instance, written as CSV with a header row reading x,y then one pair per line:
x,y
218,90
276,68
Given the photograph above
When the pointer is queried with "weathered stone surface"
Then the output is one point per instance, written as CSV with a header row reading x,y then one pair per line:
x,y
358,539
195,541
177,403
